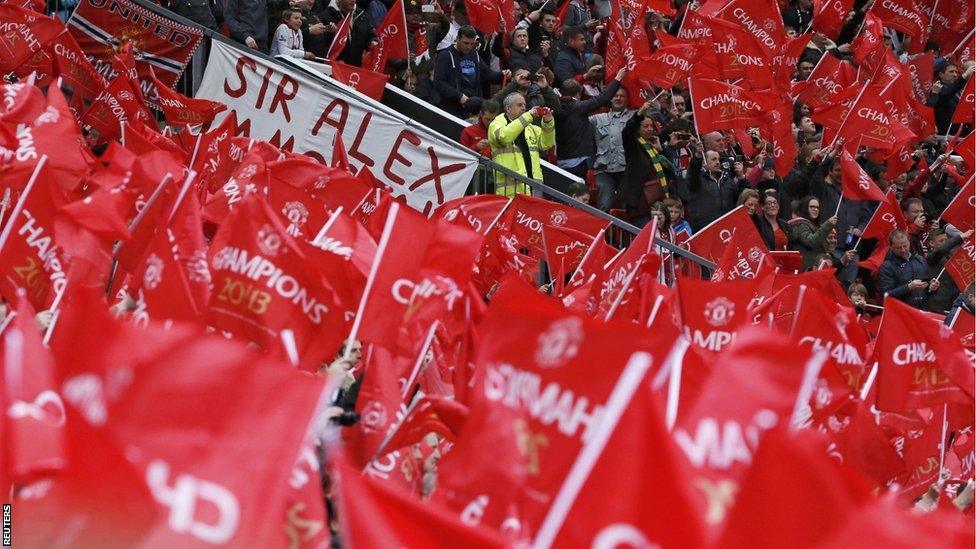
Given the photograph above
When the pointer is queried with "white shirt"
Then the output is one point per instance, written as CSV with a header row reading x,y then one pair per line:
x,y
287,41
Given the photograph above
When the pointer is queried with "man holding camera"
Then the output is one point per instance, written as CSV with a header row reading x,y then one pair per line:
x,y
517,138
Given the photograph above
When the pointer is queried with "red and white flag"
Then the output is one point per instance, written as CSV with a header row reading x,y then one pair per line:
x,y
370,83
921,362
856,184
961,264
393,37
961,210
721,106
341,38
712,241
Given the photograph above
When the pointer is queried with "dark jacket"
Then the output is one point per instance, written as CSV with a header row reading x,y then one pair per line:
x,y
808,239
198,11
247,18
709,199
942,299
361,34
944,103
456,74
895,274
960,303
569,63
574,134
640,170
765,229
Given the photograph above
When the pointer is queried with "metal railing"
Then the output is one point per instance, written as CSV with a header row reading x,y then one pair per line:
x,y
487,167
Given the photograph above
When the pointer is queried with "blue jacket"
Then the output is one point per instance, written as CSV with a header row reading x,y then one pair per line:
x,y
895,274
456,75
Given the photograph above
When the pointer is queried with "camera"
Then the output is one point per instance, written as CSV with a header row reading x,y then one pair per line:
x,y
347,418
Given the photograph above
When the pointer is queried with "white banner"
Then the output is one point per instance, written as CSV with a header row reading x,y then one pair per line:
x,y
291,110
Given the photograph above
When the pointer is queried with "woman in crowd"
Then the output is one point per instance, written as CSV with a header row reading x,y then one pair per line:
x,y
808,234
773,227
750,199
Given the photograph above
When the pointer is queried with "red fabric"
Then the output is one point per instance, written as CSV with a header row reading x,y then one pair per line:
x,y
829,16
721,106
711,241
484,15
921,362
27,33
901,15
180,109
960,211
713,312
472,135
392,36
368,82
965,113
340,39
856,183
962,263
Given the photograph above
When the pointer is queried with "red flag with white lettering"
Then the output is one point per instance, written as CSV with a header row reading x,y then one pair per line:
x,y
368,82
856,183
341,38
526,216
34,412
962,263
26,33
886,218
901,15
264,283
829,16
527,338
180,109
712,312
477,212
920,361
115,106
762,19
392,40
711,241
754,390
721,106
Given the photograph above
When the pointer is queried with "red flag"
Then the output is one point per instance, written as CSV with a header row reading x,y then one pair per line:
x,y
741,259
26,32
754,390
31,258
160,286
368,82
711,241
431,414
819,498
960,211
341,38
527,215
565,248
829,16
826,82
961,265
74,68
965,113
868,122
712,312
886,218
825,324
484,15
115,105
339,157
180,109
784,61
920,361
762,19
967,149
921,69
477,212
264,283
669,65
868,47
888,524
392,36
739,54
551,349
856,183
35,414
374,515
721,106
901,15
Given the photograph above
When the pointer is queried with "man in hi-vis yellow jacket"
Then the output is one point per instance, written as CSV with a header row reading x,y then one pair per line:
x,y
516,143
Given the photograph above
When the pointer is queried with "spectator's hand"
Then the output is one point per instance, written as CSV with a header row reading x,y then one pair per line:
x,y
857,299
593,72
849,256
43,319
544,48
934,285
966,235
482,145
920,221
738,168
309,55
917,285
592,24
656,143
464,100
844,48
317,29
856,232
697,144
522,78
621,74
251,43
833,220
507,74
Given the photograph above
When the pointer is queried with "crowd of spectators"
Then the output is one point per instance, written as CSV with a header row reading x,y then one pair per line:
x,y
540,91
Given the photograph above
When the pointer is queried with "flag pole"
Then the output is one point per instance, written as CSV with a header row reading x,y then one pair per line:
x,y
371,279
4,204
9,227
326,226
623,290
627,384
145,210
810,373
945,429
675,361
654,309
419,362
